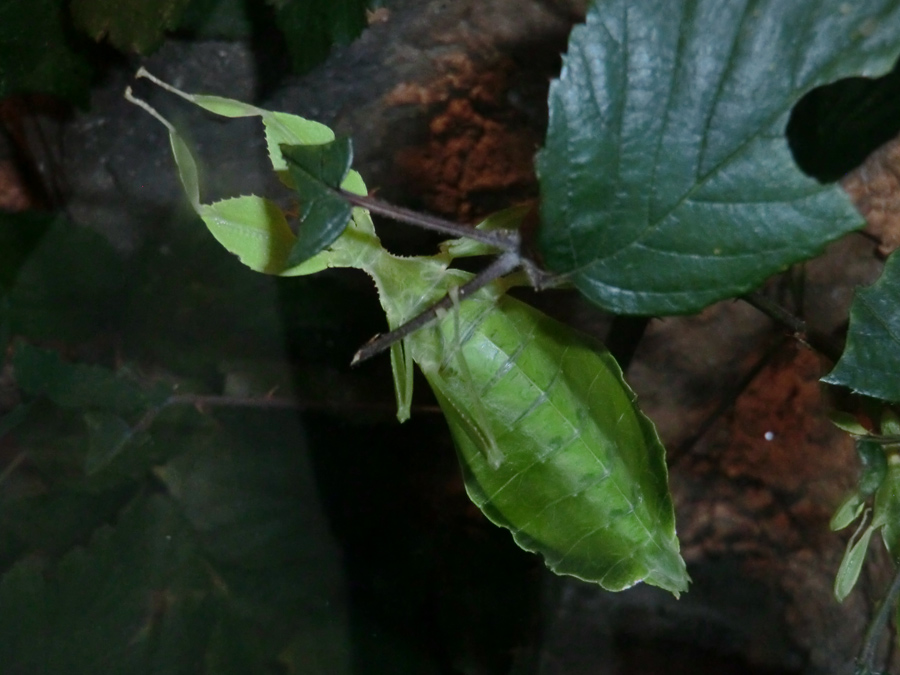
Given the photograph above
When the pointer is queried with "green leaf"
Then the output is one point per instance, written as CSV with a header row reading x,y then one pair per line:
x,y
251,498
874,466
38,54
133,601
887,509
311,27
890,423
847,422
71,284
54,522
251,227
254,229
108,435
130,25
74,385
583,481
666,179
851,564
326,163
316,171
285,129
849,510
870,364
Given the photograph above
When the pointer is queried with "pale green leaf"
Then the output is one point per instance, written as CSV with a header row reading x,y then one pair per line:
x,y
851,564
254,229
849,510
847,422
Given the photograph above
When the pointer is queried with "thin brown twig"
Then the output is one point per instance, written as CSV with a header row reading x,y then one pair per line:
x,y
797,326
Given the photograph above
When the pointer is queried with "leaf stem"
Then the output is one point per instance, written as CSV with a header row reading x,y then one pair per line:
x,y
793,323
866,660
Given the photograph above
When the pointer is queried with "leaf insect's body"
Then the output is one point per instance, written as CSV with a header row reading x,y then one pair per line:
x,y
545,449
550,442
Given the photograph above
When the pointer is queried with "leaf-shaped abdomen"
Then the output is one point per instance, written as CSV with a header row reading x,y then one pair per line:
x,y
583,478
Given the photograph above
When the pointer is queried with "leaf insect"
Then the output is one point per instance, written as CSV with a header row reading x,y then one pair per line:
x,y
550,441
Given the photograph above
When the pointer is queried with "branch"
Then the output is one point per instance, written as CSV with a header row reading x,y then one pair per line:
x,y
795,324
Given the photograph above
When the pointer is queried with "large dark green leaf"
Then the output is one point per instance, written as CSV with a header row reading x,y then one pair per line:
x,y
36,51
69,282
310,27
135,600
252,500
129,25
870,364
666,179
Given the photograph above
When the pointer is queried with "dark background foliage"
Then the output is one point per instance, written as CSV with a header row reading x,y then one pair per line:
x,y
192,479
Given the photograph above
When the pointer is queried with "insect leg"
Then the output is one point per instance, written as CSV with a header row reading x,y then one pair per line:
x,y
480,429
501,266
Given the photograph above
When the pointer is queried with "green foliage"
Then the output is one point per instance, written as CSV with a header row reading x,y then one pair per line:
x,y
870,364
583,484
134,601
317,171
42,372
38,53
130,25
228,548
313,27
50,291
43,47
216,571
880,476
666,178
